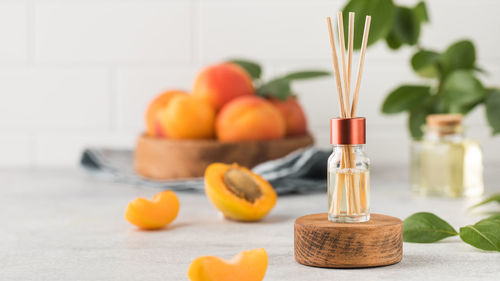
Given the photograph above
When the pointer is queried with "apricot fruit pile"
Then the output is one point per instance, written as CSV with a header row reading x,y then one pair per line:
x,y
246,266
226,105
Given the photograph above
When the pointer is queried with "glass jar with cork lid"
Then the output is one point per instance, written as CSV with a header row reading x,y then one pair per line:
x,y
445,162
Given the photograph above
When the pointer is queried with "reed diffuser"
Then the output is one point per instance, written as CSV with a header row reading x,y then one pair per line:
x,y
334,239
348,166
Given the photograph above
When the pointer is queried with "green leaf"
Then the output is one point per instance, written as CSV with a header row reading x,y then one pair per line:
x,y
492,198
464,109
485,234
462,88
421,12
493,110
278,88
299,75
392,41
405,98
426,228
382,12
416,119
460,55
406,27
253,68
425,63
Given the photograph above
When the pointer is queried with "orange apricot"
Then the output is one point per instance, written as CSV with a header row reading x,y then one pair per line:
x,y
160,102
153,214
238,193
249,118
187,117
246,266
292,112
221,83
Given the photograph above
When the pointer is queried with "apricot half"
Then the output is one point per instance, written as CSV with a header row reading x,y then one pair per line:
x,y
238,193
153,214
246,266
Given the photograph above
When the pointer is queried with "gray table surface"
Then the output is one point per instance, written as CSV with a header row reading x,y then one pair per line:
x,y
64,224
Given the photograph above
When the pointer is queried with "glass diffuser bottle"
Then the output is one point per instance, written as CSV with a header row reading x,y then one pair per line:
x,y
348,172
445,162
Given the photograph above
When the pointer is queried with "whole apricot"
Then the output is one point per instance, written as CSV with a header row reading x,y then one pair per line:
x,y
187,117
249,118
154,214
160,102
221,83
246,266
292,112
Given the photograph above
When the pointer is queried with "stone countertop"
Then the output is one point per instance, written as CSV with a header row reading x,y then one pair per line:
x,y
64,224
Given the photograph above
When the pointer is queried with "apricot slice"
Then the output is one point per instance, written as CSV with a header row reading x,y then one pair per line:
x,y
246,266
153,214
238,193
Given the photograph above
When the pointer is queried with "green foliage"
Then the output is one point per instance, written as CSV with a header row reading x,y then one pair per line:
x,y
453,85
461,88
416,119
306,75
493,109
253,68
492,198
406,27
280,87
382,12
460,55
428,228
426,63
485,234
421,12
405,98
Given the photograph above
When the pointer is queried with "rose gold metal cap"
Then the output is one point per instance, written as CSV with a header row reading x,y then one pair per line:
x,y
347,130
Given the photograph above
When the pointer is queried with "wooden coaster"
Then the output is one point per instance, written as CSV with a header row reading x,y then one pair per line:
x,y
321,243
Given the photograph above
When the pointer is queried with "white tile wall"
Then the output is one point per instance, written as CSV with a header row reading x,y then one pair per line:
x,y
112,31
13,31
75,73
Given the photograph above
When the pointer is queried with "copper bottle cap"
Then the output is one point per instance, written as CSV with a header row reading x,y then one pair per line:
x,y
347,130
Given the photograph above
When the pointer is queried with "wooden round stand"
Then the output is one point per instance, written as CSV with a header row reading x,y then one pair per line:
x,y
321,243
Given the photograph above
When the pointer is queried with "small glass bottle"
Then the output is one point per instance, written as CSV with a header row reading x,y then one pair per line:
x,y
348,172
445,162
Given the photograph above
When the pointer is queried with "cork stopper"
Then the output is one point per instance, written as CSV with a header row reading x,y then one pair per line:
x,y
445,124
444,120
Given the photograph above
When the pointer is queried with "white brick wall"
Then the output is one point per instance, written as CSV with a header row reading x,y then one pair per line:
x,y
75,73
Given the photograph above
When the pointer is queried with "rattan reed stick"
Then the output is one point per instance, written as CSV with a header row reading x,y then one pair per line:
x,y
336,68
360,66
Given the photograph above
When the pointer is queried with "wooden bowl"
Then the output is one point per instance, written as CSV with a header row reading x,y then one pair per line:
x,y
163,159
